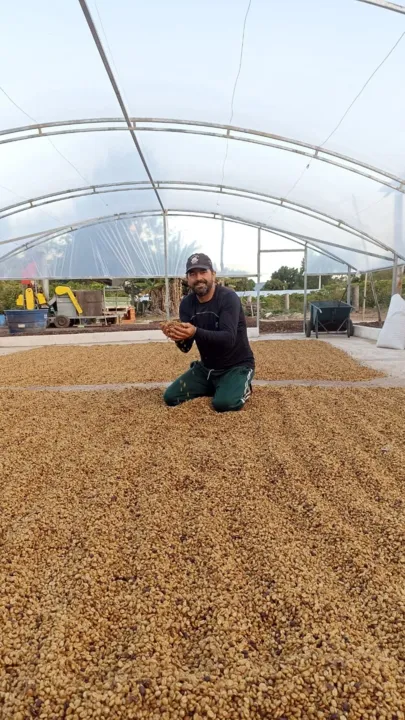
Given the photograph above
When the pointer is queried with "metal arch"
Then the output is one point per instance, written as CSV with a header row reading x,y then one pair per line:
x,y
385,5
71,194
171,213
312,247
287,234
36,239
56,232
88,191
301,244
228,132
260,226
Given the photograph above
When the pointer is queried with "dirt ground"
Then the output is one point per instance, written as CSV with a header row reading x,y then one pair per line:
x,y
176,564
282,325
278,324
161,362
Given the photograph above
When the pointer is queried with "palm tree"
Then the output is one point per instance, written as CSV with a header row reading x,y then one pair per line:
x,y
152,238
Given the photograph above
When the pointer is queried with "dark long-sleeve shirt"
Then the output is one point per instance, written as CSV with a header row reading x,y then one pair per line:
x,y
221,335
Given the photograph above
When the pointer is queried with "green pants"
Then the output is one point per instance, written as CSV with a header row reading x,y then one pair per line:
x,y
229,389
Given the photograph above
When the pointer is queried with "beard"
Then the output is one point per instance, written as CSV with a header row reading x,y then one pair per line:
x,y
202,287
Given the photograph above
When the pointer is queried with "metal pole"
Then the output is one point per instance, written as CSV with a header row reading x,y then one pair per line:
x,y
394,275
167,286
305,284
320,283
100,48
222,244
364,296
349,285
259,248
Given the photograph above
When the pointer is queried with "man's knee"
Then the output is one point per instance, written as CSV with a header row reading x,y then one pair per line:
x,y
170,396
222,405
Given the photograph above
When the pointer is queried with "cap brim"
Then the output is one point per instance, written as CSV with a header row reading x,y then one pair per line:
x,y
199,267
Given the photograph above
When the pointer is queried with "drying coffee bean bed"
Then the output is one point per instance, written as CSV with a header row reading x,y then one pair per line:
x,y
160,362
175,563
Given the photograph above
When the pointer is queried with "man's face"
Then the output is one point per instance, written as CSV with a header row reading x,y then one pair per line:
x,y
201,281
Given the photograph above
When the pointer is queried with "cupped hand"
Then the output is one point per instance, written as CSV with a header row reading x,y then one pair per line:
x,y
185,331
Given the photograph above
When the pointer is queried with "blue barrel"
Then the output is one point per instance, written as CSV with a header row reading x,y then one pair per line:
x,y
2,319
24,321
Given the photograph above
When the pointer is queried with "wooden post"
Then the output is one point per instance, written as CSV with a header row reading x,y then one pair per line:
x,y
394,275
399,278
287,302
375,299
356,297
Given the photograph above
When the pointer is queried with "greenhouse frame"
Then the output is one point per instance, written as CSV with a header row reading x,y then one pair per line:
x,y
300,157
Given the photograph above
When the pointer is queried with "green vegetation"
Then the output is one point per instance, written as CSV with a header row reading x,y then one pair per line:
x,y
283,278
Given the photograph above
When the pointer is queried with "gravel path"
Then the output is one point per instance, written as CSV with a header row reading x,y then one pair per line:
x,y
252,570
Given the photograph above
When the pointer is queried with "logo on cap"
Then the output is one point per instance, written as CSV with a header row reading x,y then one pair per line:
x,y
194,260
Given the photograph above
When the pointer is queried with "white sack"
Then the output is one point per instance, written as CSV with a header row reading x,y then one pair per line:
x,y
392,334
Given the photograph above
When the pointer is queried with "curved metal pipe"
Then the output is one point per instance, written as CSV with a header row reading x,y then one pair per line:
x,y
385,5
228,132
132,186
40,238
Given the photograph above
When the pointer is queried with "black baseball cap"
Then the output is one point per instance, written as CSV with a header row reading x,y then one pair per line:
x,y
199,261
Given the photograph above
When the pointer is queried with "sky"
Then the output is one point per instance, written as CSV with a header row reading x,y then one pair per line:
x,y
304,71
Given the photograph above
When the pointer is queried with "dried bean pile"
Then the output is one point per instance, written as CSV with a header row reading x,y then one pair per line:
x,y
155,362
169,324
257,572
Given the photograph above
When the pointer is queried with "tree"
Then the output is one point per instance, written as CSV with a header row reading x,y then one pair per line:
x,y
240,284
274,284
9,291
133,289
290,277
157,296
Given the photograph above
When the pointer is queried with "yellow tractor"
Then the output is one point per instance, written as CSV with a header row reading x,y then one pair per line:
x,y
63,307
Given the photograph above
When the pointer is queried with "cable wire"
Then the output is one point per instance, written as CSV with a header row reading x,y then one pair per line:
x,y
379,66
363,88
109,48
49,140
234,89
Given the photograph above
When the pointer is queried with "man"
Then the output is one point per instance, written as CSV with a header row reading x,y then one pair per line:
x,y
212,316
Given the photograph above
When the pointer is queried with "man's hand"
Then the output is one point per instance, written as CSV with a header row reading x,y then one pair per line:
x,y
165,330
182,332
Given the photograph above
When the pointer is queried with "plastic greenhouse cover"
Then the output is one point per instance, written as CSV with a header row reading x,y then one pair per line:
x,y
134,247
284,115
318,264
